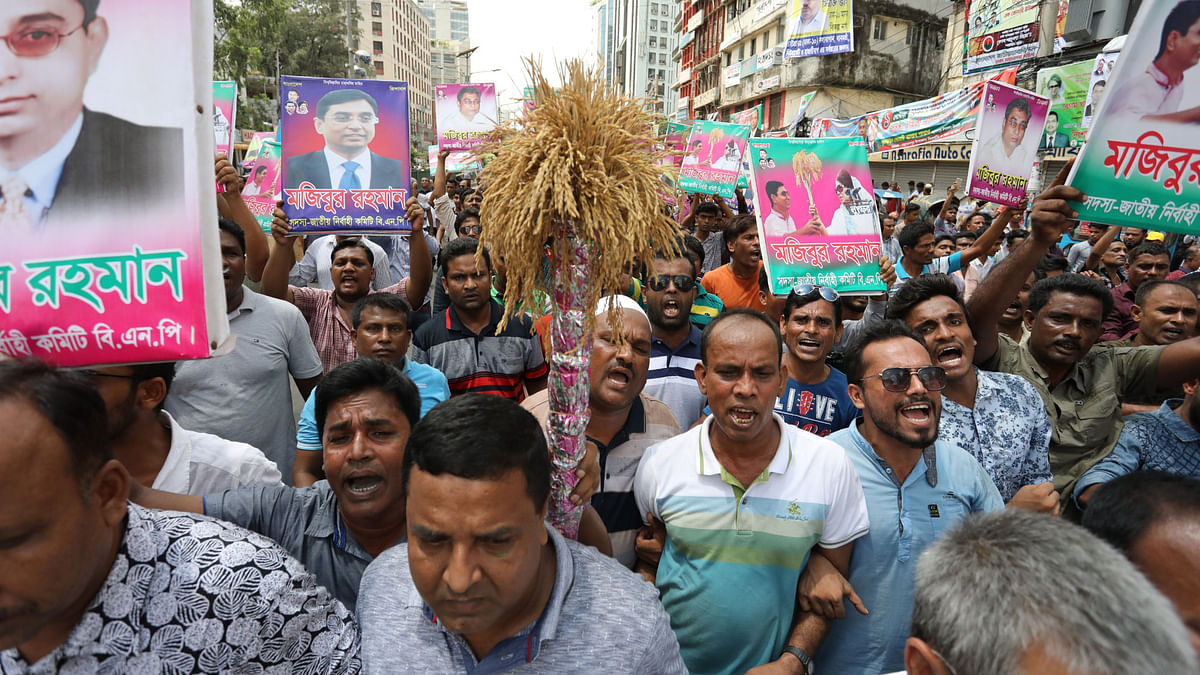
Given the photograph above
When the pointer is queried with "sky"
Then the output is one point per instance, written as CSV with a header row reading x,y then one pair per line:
x,y
505,31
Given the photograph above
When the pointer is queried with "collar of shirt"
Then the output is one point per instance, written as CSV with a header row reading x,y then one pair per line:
x,y
708,465
335,162
454,324
1182,430
1161,78
327,523
527,642
1124,291
42,174
635,423
176,472
693,340
928,455
250,302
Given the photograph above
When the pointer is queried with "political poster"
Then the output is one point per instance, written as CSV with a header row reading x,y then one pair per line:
x,y
261,190
674,142
89,275
924,121
1004,151
1141,164
819,27
224,118
346,161
466,114
1000,33
255,146
1102,69
1067,88
816,214
1060,26
713,157
751,117
456,161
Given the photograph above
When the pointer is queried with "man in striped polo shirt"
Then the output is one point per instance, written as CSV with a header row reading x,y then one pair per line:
x,y
675,342
744,499
461,341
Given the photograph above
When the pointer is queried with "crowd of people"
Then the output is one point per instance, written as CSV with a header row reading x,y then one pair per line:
x,y
773,483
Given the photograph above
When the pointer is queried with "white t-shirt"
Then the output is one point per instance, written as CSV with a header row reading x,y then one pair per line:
x,y
199,464
777,225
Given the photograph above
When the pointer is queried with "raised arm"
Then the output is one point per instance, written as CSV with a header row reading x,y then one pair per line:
x,y
420,265
439,178
167,501
947,212
990,236
275,274
1052,213
743,208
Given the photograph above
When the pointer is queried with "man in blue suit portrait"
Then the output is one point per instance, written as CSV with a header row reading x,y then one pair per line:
x,y
346,118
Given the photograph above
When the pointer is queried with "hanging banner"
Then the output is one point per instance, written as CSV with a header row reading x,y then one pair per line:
x,y
816,214
751,117
456,161
1097,84
818,27
713,157
1141,165
89,274
911,124
1060,26
1067,88
999,33
1004,151
346,164
466,114
261,190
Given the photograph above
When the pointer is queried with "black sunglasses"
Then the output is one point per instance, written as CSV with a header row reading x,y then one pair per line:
x,y
896,380
806,290
683,283
88,372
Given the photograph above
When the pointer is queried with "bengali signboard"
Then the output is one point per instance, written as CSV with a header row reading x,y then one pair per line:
x,y
999,33
713,157
1141,164
346,164
1004,151
816,214
95,278
1067,88
911,124
818,27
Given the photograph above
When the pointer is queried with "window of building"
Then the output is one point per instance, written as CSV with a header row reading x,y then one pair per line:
x,y
377,47
653,42
653,24
909,34
377,28
662,75
376,9
774,110
662,59
880,30
654,9
753,47
741,52
379,67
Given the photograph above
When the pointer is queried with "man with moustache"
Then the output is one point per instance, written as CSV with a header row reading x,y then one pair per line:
x,y
1147,261
916,486
1081,383
722,488
815,397
623,420
1164,312
675,342
997,417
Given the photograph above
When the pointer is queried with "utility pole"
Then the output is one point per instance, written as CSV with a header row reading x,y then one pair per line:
x,y
349,44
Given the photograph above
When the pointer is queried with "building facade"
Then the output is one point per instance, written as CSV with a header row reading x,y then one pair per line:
x,y
397,35
636,39
450,40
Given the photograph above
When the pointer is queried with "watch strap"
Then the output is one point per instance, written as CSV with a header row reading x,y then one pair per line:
x,y
805,659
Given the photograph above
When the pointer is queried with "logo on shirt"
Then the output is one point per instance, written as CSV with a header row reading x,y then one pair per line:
x,y
933,511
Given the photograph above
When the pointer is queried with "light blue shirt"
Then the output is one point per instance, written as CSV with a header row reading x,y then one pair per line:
x,y
1153,441
42,174
944,487
431,384
948,264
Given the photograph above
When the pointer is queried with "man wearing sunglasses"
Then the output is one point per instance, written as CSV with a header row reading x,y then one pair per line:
x,y
64,158
997,417
916,488
675,345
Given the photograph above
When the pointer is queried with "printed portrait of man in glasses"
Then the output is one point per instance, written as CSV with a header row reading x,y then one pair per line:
x,y
346,119
70,160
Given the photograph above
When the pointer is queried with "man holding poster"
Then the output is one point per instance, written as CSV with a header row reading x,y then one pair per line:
x,y
346,119
69,160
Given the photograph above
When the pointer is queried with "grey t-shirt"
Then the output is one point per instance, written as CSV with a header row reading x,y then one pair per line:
x,y
600,618
245,395
306,522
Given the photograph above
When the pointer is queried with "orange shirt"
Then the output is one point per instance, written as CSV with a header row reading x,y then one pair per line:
x,y
733,290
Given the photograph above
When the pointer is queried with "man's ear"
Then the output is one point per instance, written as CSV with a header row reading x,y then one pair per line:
x,y
700,371
150,393
96,37
110,492
856,396
1135,313
919,659
1029,317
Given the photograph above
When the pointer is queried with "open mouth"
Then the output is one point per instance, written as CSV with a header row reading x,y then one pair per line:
x,y
804,343
1172,334
950,356
619,377
742,417
917,413
363,485
670,308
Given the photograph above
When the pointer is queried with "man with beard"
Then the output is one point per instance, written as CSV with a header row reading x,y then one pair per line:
x,y
916,487
1133,237
997,417
351,268
622,419
736,283
744,499
815,397
463,341
1081,383
157,451
675,342
246,395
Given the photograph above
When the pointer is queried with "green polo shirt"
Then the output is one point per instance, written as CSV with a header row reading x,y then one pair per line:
x,y
1085,408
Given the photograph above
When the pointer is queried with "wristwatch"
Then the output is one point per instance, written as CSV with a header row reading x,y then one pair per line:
x,y
805,659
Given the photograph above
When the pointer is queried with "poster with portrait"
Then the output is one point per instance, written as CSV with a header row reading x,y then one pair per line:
x,y
712,158
1102,69
466,114
346,158
255,146
819,27
1006,143
1067,88
751,117
816,214
224,117
1000,33
456,161
261,190
88,273
1141,164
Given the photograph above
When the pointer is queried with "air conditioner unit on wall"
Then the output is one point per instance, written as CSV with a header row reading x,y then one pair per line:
x,y
1095,20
